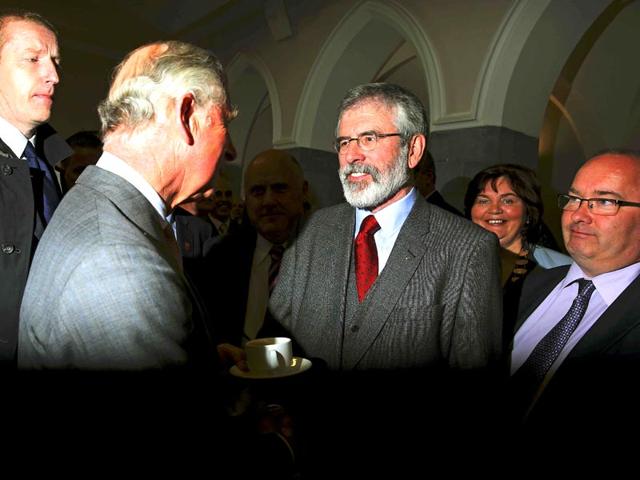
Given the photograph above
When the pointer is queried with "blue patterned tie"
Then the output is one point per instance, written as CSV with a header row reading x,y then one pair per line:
x,y
548,349
47,202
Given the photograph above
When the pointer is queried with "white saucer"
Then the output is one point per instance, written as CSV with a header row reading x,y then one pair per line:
x,y
298,365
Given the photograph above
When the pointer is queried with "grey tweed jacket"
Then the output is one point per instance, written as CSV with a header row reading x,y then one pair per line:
x,y
437,300
106,291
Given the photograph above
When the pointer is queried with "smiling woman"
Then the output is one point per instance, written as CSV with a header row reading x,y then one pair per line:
x,y
505,200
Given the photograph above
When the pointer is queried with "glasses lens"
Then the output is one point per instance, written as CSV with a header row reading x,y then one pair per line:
x,y
367,141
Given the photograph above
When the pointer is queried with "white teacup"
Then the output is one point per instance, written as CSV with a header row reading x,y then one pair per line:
x,y
268,354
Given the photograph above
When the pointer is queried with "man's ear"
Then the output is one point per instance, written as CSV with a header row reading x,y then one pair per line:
x,y
417,146
188,122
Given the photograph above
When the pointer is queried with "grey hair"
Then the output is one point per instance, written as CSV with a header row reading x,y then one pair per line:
x,y
132,98
411,117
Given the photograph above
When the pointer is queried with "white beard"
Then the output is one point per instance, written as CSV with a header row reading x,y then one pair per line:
x,y
383,185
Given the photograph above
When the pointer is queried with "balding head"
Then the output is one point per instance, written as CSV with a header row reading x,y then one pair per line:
x,y
604,241
158,71
275,191
166,116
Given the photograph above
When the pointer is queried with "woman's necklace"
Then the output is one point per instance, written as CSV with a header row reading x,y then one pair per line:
x,y
520,267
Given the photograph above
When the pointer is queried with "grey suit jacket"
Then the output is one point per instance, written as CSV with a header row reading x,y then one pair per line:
x,y
437,300
106,290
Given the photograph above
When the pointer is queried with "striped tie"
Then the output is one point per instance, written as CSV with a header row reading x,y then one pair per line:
x,y
276,258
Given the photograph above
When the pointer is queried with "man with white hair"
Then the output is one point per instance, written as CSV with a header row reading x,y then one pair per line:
x,y
107,290
391,294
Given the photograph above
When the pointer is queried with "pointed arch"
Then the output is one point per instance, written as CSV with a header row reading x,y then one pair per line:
x,y
250,81
361,41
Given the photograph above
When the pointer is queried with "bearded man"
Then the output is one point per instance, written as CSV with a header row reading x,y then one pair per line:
x,y
387,287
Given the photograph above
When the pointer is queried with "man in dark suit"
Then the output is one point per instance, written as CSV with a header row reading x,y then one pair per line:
x,y
28,76
406,310
235,278
583,383
425,181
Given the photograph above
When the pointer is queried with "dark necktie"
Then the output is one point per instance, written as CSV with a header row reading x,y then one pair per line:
x,y
275,253
45,190
366,255
532,372
172,243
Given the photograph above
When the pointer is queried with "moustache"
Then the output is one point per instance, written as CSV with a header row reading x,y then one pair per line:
x,y
360,168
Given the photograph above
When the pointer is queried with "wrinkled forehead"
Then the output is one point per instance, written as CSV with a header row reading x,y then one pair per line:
x,y
30,32
138,63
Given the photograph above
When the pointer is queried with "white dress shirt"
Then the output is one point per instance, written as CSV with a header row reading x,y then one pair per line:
x,y
14,138
258,297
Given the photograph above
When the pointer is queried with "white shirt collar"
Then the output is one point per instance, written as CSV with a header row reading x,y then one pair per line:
x,y
610,284
117,166
14,138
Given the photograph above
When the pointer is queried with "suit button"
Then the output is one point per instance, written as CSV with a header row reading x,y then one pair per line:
x,y
355,328
6,170
8,249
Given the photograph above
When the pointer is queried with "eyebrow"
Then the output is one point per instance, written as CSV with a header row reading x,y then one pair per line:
x,y
598,192
40,51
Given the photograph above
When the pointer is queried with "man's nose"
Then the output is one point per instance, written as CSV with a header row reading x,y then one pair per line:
x,y
352,152
50,71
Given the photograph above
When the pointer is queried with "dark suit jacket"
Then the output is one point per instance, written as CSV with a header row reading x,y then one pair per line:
x,y
223,281
595,388
438,200
17,230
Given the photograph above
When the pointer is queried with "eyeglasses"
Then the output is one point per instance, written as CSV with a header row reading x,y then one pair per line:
x,y
367,141
598,206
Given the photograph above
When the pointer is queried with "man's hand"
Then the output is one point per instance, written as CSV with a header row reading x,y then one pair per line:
x,y
232,355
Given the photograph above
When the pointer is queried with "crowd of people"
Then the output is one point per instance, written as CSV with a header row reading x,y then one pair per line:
x,y
431,333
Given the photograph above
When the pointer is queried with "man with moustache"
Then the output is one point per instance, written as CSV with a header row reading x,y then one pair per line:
x,y
29,148
422,302
576,352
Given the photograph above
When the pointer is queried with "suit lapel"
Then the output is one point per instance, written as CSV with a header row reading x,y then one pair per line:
x,y
405,257
137,209
536,287
614,323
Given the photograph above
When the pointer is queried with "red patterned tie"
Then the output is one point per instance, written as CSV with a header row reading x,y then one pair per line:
x,y
366,256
